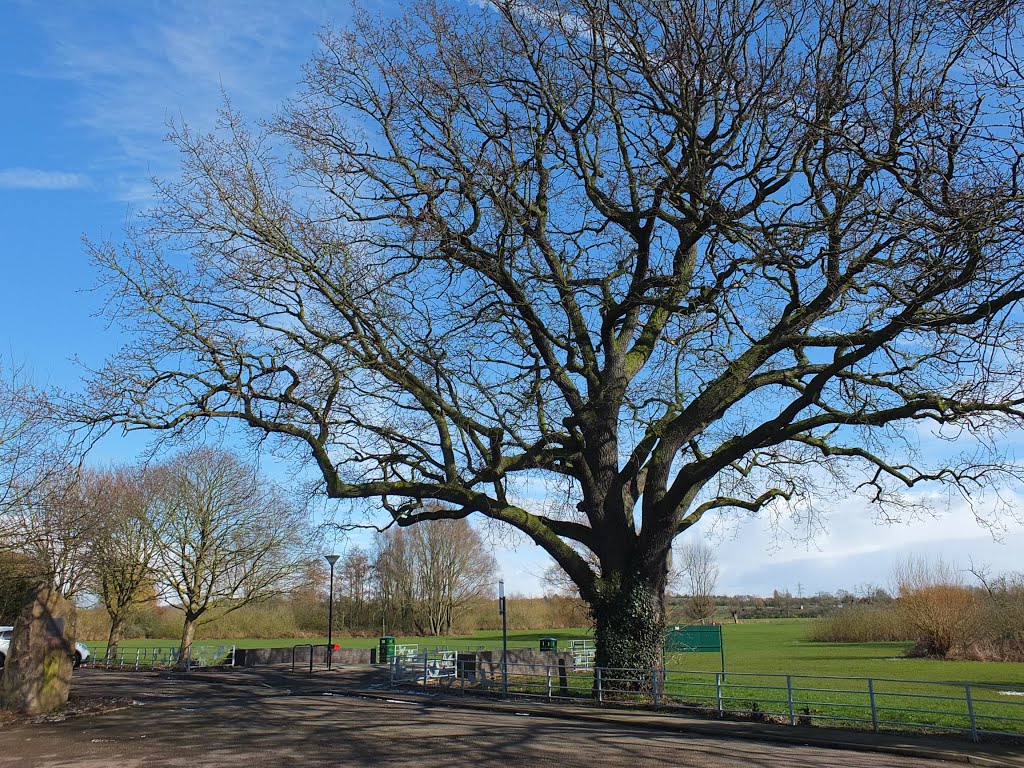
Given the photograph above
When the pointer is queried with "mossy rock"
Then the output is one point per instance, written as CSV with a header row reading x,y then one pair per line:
x,y
37,674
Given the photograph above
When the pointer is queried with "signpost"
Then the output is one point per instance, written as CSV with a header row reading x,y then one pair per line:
x,y
695,638
504,638
332,559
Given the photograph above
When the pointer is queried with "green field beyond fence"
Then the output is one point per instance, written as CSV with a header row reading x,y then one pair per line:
x,y
776,646
773,664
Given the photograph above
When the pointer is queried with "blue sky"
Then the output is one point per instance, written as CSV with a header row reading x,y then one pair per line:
x,y
88,88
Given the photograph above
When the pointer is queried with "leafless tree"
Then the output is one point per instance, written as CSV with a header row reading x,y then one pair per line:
x,y
434,571
44,524
688,258
395,580
52,524
121,551
453,569
23,434
696,572
355,577
225,537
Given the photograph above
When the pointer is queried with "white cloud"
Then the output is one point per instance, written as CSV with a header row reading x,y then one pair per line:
x,y
855,549
134,69
38,179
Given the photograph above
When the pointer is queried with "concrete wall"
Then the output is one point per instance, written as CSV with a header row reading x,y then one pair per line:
x,y
525,661
261,657
520,660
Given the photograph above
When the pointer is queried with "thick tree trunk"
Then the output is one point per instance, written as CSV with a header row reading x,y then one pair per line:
x,y
114,637
629,627
187,635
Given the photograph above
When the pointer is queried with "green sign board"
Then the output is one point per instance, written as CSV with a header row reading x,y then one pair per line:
x,y
696,638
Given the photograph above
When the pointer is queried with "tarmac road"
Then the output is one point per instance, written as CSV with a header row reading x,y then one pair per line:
x,y
245,722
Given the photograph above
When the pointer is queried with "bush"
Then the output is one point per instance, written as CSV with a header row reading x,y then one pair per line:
x,y
860,624
1001,617
943,617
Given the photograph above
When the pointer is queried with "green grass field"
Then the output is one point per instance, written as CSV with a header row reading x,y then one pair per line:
x,y
759,655
773,647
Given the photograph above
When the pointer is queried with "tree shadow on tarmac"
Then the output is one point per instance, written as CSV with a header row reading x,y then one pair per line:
x,y
247,722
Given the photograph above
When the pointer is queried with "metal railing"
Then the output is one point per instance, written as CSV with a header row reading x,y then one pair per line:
x,y
875,704
163,657
312,654
583,652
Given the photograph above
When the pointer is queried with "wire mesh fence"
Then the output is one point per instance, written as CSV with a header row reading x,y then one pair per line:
x,y
874,704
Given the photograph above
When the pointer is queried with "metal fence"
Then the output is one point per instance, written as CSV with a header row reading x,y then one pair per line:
x,y
583,652
163,657
876,704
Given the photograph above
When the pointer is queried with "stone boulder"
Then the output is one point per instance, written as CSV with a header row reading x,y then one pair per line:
x,y
37,674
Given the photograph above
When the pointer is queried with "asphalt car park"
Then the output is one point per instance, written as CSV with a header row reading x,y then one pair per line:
x,y
248,720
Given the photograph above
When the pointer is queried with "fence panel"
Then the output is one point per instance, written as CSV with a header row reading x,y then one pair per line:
x,y
162,657
872,704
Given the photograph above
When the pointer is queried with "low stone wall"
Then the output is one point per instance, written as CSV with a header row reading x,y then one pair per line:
x,y
261,657
486,665
523,661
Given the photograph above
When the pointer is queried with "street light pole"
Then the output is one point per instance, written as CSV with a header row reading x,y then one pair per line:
x,y
332,559
504,638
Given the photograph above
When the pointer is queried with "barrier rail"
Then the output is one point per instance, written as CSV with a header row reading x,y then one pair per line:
x,y
163,657
312,653
876,704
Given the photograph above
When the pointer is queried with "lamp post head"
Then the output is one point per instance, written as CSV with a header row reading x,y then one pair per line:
x,y
501,588
332,559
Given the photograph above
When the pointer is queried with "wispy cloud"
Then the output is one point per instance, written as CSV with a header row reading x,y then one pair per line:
x,y
36,178
131,73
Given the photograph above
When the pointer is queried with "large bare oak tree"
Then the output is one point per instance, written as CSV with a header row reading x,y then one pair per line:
x,y
678,258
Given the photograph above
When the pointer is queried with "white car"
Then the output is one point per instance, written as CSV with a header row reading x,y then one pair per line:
x,y
6,633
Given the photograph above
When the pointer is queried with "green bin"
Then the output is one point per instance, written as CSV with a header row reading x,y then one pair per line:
x,y
386,650
549,644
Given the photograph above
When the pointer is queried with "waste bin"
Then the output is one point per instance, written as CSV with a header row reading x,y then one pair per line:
x,y
549,644
386,650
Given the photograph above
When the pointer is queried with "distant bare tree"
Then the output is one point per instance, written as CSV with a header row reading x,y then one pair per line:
x,y
395,579
453,568
934,601
122,547
53,524
354,588
429,574
225,537
25,432
556,582
696,576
